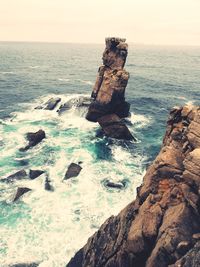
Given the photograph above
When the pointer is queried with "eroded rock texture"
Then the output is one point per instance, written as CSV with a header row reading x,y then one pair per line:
x,y
109,90
162,226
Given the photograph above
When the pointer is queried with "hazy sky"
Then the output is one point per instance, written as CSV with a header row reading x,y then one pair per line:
x,y
140,21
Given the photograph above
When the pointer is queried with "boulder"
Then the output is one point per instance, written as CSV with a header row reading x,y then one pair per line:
x,y
72,171
16,176
20,192
114,127
161,226
34,139
35,173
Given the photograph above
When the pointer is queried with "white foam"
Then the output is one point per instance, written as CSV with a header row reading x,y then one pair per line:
x,y
85,81
139,121
34,67
64,80
58,223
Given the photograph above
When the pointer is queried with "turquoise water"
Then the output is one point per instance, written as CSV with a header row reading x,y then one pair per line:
x,y
50,226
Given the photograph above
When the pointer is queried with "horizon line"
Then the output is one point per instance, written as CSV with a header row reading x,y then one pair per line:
x,y
97,43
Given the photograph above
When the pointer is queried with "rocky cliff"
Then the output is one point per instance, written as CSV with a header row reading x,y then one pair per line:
x,y
162,226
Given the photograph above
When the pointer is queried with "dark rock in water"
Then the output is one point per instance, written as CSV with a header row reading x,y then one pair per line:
x,y
25,265
117,185
161,227
35,173
114,127
82,101
73,171
52,103
16,176
34,139
48,186
21,191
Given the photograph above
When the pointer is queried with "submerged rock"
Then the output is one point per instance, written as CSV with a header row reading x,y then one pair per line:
x,y
113,127
72,171
160,227
16,176
35,173
20,192
34,139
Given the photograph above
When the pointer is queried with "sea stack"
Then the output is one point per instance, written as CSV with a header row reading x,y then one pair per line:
x,y
162,226
109,91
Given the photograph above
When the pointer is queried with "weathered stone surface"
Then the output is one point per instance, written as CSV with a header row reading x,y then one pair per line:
x,y
114,127
16,176
34,139
161,227
109,90
20,192
72,171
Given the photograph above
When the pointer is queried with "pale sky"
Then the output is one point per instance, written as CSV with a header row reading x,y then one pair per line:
x,y
166,22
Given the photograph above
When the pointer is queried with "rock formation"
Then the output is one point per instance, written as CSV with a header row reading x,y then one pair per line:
x,y
162,226
109,90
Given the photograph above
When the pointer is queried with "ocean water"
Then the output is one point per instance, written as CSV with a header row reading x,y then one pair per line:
x,y
48,227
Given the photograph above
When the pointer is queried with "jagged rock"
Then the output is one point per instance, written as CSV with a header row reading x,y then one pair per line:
x,y
20,191
35,173
72,171
114,127
34,139
158,228
16,176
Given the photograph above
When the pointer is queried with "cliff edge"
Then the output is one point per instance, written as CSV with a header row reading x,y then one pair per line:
x,y
162,226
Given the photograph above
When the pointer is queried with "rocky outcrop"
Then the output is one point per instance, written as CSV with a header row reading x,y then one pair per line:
x,y
109,90
34,139
72,171
25,265
162,226
50,104
20,192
